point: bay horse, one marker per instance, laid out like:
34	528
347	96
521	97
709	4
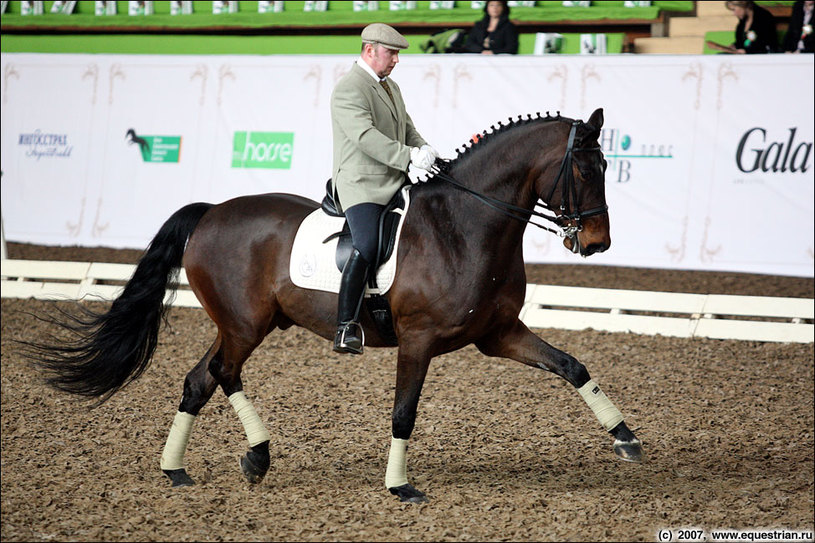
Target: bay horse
460	281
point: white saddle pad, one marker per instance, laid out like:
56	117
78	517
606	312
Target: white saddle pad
312	263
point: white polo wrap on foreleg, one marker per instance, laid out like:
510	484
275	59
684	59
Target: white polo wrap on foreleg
396	474
173	455
608	415
255	431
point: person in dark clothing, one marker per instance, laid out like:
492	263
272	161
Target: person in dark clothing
799	37
755	32
494	34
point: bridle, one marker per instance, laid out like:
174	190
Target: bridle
569	221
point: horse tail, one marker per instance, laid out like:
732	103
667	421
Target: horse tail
112	349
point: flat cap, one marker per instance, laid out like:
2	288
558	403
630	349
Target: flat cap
384	35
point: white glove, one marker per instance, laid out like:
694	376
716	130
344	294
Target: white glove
432	151
422	158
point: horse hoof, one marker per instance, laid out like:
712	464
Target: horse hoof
630	451
179	477
253	473
407	493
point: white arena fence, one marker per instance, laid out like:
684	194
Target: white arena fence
719	316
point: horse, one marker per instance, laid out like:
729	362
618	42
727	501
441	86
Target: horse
460	281
132	138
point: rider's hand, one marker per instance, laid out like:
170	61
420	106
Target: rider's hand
432	151
422	158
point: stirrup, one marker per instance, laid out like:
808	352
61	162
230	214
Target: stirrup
347	340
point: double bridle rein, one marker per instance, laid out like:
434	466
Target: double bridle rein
568	221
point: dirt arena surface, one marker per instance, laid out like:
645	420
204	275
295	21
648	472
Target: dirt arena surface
504	452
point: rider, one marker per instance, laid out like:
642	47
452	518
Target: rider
374	142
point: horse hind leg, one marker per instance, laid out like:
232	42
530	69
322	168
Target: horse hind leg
226	370
199	386
522	345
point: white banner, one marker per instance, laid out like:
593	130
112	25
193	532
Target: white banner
710	157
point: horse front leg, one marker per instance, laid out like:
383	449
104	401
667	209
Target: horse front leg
520	344
411	371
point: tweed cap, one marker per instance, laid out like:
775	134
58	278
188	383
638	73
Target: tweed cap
384	35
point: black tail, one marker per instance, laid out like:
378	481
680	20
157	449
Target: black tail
109	350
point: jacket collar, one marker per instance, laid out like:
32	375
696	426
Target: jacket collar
373	81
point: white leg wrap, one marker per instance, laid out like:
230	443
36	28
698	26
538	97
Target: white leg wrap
396	474
173	455
608	415
255	431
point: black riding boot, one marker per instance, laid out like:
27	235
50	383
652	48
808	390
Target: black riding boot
350	338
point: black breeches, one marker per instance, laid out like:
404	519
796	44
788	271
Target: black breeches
363	220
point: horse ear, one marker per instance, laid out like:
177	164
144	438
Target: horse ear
596	119
593	126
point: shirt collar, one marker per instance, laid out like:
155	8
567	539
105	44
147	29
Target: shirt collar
364	65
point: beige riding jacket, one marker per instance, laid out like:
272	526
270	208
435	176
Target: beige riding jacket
372	139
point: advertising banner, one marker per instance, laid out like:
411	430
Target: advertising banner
710	159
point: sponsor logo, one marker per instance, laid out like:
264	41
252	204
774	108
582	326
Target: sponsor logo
622	152
156	148
755	153
41	144
272	150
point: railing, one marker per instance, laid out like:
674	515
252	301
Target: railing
719	316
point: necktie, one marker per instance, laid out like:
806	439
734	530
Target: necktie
387	88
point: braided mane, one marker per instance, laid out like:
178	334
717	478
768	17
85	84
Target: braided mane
487	136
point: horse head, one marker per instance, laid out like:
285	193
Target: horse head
577	195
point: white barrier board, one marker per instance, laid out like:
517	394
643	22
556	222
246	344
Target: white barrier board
710	157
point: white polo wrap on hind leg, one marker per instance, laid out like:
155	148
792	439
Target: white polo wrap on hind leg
396	474
173	455
255	431
605	411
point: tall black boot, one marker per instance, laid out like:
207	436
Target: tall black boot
350	337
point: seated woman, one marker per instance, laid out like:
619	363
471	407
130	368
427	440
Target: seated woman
755	32
494	34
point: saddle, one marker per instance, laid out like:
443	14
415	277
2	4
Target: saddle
378	306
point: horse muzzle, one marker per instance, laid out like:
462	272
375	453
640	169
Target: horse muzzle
588	238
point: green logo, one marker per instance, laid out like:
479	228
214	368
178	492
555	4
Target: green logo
156	148
262	150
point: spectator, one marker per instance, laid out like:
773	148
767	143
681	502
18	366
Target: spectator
494	34
799	37
755	32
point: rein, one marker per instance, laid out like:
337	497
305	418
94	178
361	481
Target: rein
568	193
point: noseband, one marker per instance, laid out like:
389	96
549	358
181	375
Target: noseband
568	223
